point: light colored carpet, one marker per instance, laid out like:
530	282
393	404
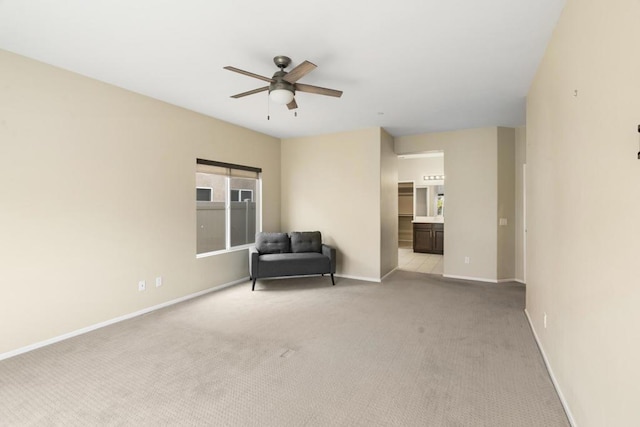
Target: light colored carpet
416	350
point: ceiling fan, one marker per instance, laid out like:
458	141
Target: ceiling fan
283	85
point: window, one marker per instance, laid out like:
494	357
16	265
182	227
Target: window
440	205
241	195
227	206
204	194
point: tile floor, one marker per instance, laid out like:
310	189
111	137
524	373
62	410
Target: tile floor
422	263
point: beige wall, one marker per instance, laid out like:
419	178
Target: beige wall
582	261
331	183
521	160
388	205
471	165
119	205
506	203
416	169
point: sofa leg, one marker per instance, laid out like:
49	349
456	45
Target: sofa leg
253	286
332	281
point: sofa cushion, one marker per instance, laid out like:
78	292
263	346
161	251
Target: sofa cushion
306	241
272	243
274	265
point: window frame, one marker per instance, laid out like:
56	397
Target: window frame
256	198
240	191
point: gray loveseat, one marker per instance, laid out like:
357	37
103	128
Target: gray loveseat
295	254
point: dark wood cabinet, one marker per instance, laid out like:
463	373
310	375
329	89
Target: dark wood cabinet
438	239
422	238
428	237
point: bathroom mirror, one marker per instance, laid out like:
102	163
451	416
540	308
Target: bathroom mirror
430	200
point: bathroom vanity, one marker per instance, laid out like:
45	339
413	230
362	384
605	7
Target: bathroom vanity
428	235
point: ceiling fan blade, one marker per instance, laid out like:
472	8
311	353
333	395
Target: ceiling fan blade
299	72
292	105
247	73
318	90
250	92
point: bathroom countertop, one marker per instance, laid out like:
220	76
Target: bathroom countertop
428	219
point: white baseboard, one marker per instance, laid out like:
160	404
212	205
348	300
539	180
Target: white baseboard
115	320
520	281
563	401
475	279
364	279
480	279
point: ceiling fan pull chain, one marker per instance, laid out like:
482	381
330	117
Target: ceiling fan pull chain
268	111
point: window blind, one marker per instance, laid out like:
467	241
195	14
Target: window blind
227	169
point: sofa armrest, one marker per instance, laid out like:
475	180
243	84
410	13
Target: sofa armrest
330	251
253	261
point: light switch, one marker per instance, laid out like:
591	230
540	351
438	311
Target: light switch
503	221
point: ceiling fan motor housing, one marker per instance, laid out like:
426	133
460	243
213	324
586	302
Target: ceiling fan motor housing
279	83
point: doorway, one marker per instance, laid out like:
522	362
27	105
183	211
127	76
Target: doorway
405	214
421	212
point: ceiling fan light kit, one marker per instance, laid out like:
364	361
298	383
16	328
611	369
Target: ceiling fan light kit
282	86
281	96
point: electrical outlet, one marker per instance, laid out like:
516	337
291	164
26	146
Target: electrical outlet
467	260
544	320
158	281
142	285
503	221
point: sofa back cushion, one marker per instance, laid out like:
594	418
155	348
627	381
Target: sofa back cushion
272	243
306	241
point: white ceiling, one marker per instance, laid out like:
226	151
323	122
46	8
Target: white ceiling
410	66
